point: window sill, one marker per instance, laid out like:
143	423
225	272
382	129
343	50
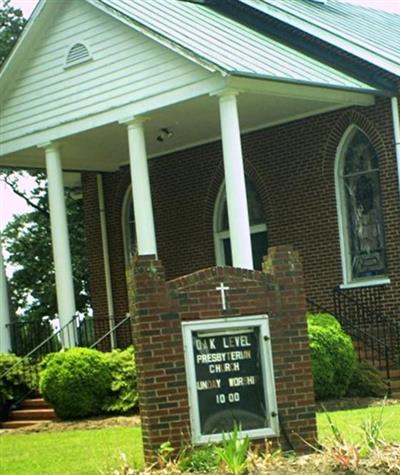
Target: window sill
366	283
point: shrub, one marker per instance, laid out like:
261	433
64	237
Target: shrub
366	382
199	460
13	386
123	395
332	355
76	382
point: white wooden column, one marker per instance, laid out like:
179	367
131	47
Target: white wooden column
142	205
59	235
5	340
236	198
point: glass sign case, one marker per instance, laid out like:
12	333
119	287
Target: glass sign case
230	378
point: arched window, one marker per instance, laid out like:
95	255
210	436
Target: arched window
128	226
360	209
258	227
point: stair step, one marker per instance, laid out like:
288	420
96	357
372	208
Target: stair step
395	383
19	424
36	403
32	414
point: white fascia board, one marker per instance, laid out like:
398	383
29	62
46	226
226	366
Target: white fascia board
118	114
301	91
160	39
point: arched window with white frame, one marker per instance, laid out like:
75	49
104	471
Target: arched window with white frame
258	227
128	227
360	211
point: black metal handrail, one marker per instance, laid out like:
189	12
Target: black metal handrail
352	311
77	332
373	350
65	337
112	331
27	335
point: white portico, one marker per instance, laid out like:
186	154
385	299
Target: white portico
93	95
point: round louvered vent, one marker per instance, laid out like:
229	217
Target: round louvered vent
77	54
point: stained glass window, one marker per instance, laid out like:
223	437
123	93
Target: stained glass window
258	228
361	205
129	227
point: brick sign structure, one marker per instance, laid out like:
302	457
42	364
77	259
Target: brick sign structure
255	319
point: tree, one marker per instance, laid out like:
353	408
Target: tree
27	241
12	23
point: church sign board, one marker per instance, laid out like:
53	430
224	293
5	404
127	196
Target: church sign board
230	377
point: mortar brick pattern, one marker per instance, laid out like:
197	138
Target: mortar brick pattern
292	168
159	307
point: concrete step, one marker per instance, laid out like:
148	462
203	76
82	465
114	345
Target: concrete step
31	415
19	424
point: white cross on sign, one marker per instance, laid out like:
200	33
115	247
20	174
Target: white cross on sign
222	288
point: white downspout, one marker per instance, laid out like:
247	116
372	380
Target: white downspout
5	340
396	128
106	259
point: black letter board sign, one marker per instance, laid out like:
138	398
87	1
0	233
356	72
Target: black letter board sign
230	378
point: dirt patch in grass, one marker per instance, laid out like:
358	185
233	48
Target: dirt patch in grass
100	422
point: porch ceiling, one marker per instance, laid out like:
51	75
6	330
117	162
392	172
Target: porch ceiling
192	122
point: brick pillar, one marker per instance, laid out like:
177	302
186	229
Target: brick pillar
158	309
159	358
291	353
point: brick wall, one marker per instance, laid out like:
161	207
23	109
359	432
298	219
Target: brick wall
159	308
292	168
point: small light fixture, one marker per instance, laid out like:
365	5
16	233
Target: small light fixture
164	134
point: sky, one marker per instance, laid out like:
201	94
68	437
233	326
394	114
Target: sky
10	204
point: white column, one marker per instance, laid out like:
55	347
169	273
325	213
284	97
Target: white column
143	209
5	340
59	235
235	182
396	128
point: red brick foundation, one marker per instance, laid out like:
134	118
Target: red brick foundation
159	308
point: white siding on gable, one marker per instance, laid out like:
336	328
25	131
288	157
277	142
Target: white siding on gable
125	67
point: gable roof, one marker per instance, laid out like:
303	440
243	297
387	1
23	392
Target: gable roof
213	41
226	44
366	33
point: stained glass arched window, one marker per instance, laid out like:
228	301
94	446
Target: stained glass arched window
360	209
128	227
258	227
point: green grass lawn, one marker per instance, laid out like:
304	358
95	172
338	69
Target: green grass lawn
349	423
69	453
96	452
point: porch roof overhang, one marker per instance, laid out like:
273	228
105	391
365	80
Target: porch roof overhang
277	84
99	143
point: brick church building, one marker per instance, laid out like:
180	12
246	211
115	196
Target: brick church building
205	132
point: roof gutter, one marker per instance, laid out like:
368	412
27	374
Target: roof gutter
265	77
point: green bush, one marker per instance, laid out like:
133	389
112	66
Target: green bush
123	396
332	355
76	382
199	460
13	386
366	382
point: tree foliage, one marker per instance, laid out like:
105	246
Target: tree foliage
12	23
27	241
